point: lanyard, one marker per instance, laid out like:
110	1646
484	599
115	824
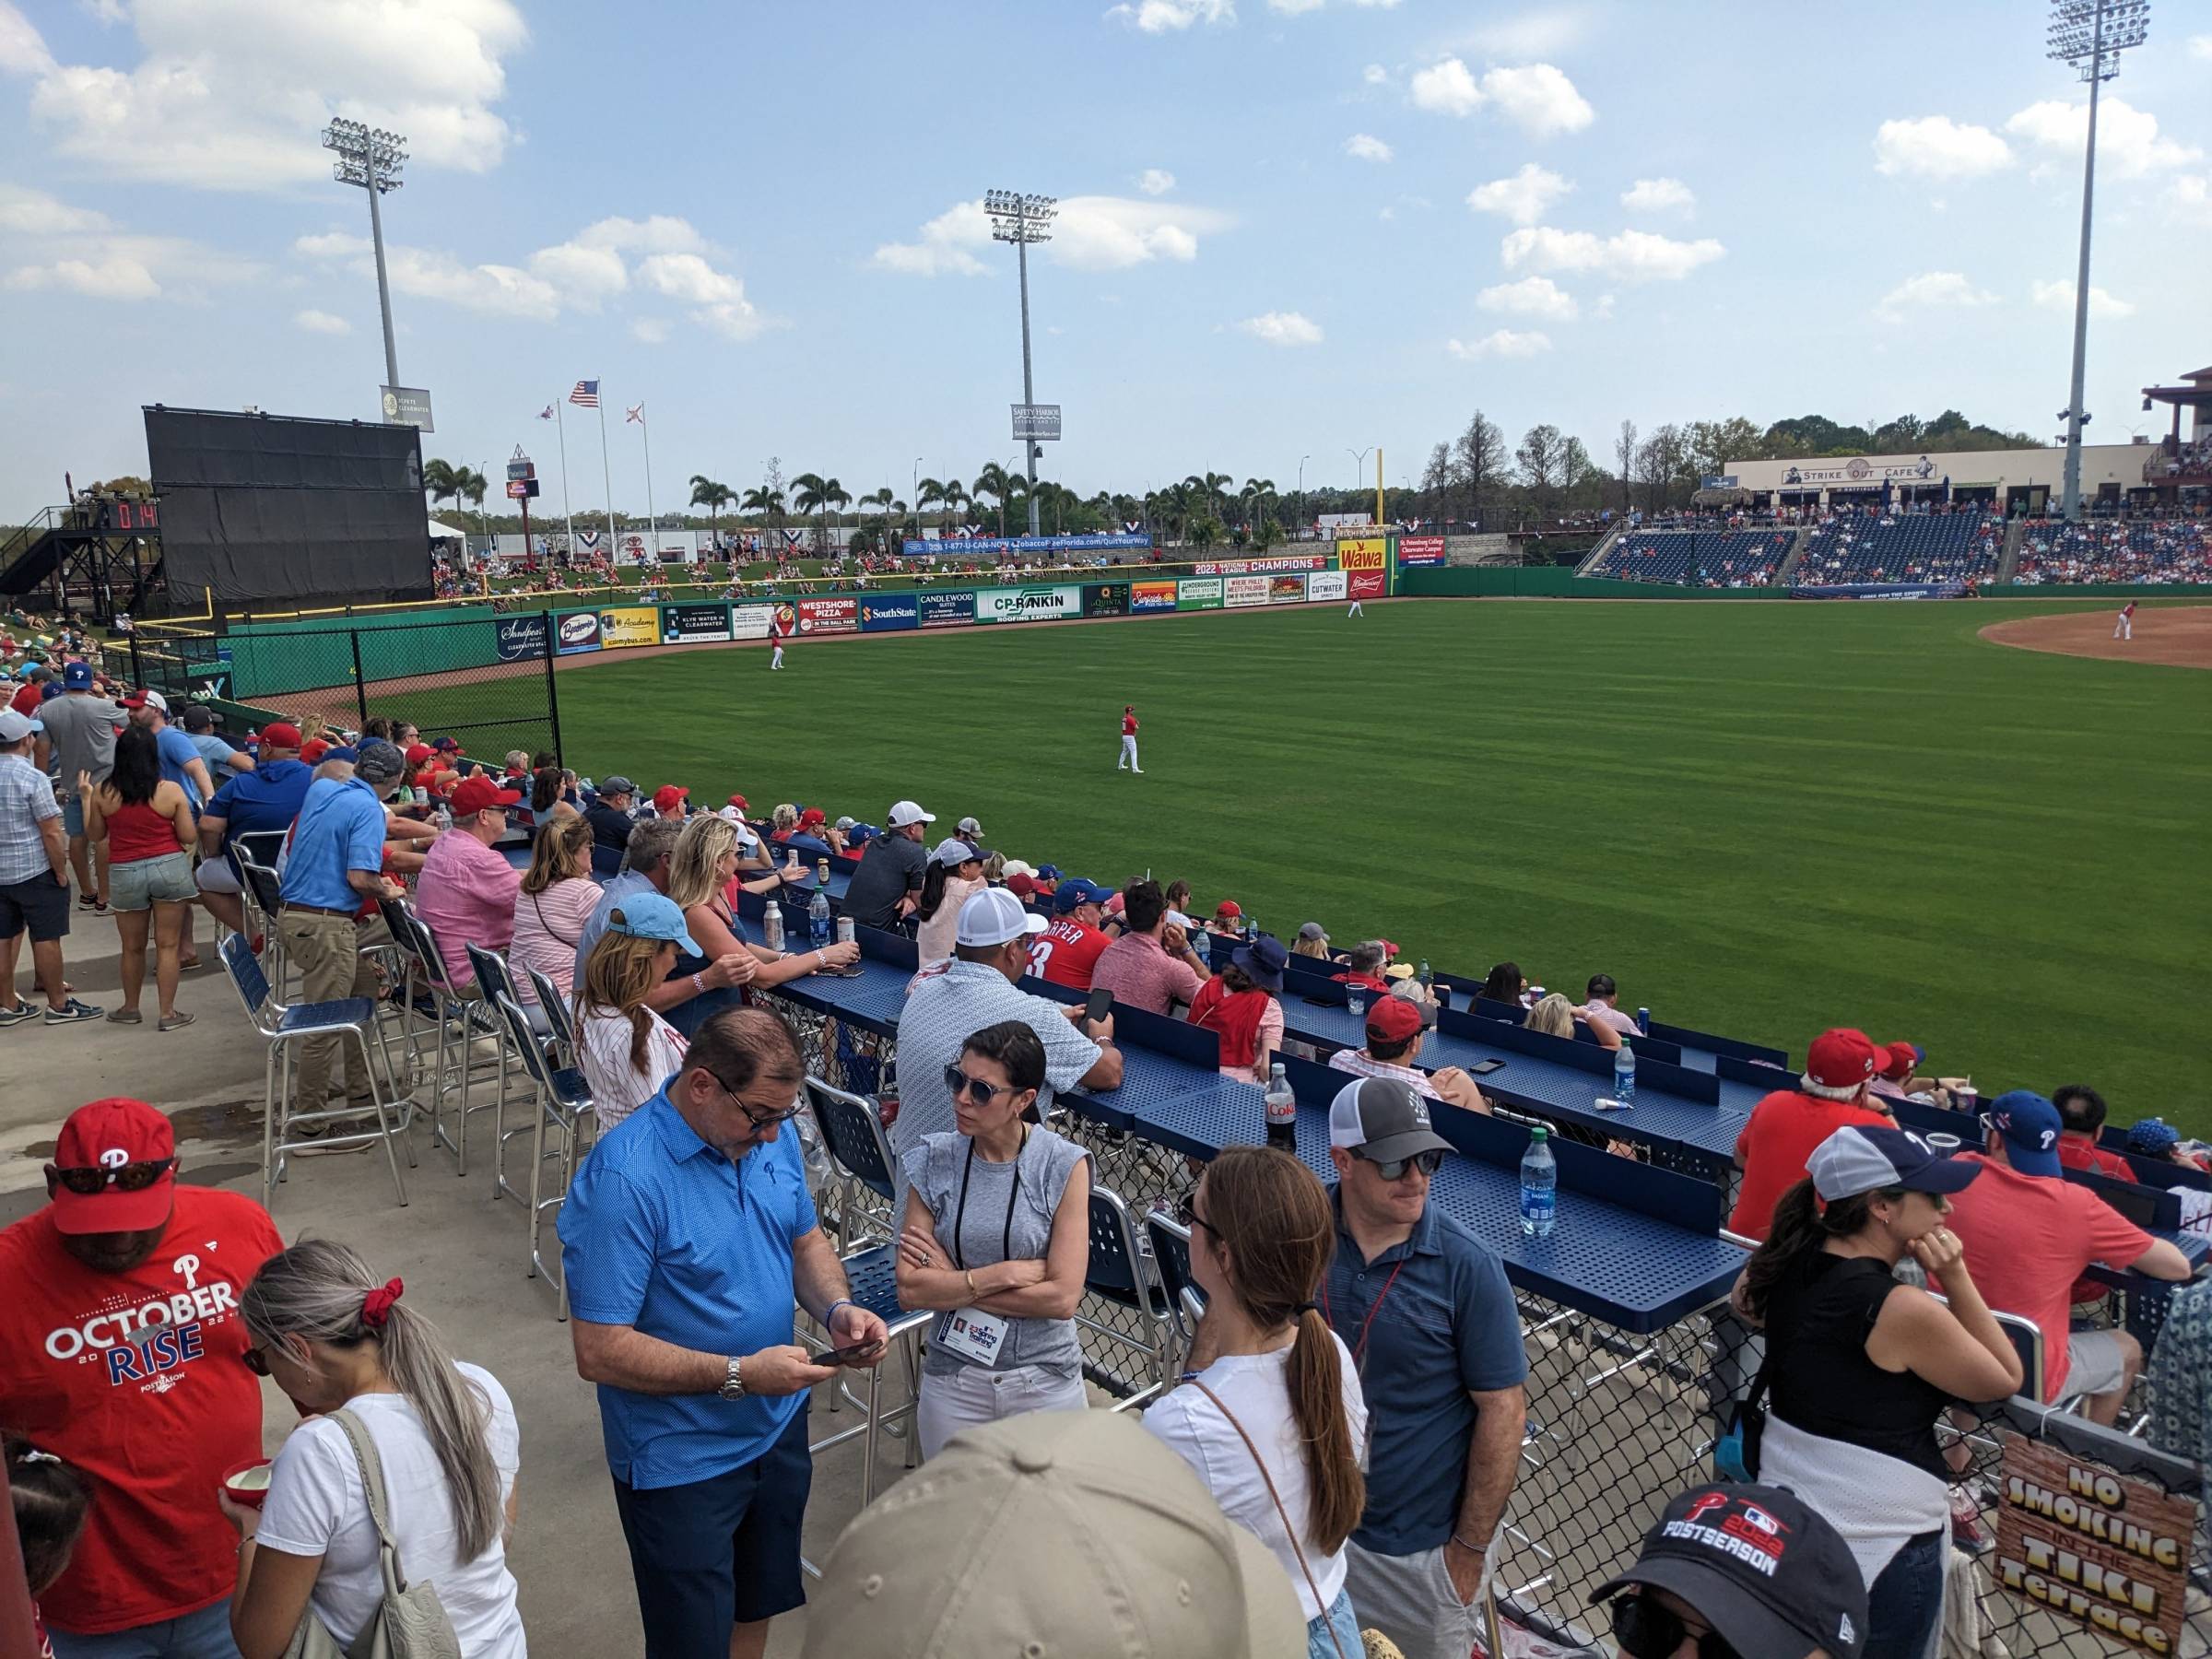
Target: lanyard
959	1220
1360	1346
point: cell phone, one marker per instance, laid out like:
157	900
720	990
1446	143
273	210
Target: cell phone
851	1356
1098	1006
1483	1069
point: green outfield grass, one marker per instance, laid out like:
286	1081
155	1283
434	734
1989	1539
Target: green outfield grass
1762	820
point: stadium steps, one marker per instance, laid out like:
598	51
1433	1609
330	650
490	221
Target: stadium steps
27	558
1597	554
1787	570
2009	560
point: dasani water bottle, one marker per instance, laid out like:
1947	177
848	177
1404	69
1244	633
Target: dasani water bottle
1539	1184
1624	1073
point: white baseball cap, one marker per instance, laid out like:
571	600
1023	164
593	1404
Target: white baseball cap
968	826
906	812
952	851
993	917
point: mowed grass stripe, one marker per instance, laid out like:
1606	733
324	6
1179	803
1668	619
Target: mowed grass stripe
1761	818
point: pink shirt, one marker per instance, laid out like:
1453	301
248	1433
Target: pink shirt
1625	1023
1360	1063
1137	968
467	893
547	927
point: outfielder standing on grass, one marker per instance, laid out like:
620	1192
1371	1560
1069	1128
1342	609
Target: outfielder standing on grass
1128	760
2125	627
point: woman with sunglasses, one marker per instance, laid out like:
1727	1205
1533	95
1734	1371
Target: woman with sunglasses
1270	1415
996	1236
333	1336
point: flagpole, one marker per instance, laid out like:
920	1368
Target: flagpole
560	425
652	529
607	473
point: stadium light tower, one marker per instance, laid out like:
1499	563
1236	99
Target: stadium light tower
1023	219
2089	34
370	157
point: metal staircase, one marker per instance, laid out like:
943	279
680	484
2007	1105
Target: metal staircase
94	558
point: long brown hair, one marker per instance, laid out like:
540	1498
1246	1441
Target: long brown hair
1273	1217
616	977
559	840
1802	1226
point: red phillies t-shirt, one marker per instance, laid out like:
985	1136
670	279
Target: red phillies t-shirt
1776	1141
137	1379
1128	725
2082	1152
1065	953
28	697
2027	1240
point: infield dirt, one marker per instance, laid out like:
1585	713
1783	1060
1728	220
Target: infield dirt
2172	637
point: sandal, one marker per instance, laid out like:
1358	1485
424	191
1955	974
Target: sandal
126	1017
190	965
172	1022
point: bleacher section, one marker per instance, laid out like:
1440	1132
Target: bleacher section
1891	547
1714	559
2161	551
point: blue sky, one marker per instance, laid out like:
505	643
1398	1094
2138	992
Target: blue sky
1289	228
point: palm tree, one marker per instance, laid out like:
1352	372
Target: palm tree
997	482
1205	531
835	497
765	501
437	478
956	501
471	486
1211	488
808	494
713	497
932	492
1256	494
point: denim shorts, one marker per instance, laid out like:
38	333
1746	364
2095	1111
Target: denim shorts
145	882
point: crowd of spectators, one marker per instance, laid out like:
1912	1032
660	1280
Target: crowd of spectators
2156	551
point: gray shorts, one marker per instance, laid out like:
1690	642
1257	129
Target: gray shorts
145	882
2094	1362
1410	1600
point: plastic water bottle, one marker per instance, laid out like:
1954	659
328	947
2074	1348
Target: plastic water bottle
1624	1073
1539	1184
1282	1110
1425	977
444	816
818	914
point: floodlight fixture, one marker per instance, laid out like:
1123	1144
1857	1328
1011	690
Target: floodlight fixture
370	159
1021	219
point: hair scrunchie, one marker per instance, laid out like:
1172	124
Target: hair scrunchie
376	1307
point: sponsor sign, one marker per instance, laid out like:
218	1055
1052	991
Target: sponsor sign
521	489
881	615
947	610
408	405
1858	470
1285	590
829	616
752	621
1037	421
629	624
1106	599
1367	584
2110	1553
1717	481
956	546
1883	590
1202	592
1262	567
1326	584
1245	590
1152	596
1027	603
521	638
692	624
577	630
1415	551
1363	553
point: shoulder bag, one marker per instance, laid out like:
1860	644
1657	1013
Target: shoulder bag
1289	1528
1736	1454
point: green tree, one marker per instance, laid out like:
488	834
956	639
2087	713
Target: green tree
1256	495
1205	531
437	478
713	497
1478	455
1000	484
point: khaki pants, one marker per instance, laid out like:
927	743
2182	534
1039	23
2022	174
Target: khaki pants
327	952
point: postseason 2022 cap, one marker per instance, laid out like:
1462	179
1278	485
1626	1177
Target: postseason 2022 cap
1384	1119
109	1134
1073	1534
993	917
1772	1577
2030	1126
904	813
1859	1157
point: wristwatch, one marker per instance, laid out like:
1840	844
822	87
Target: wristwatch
733	1384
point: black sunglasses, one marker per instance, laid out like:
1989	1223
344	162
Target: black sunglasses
124	1178
1394	1168
254	1361
1186	1212
1647	1629
960	1083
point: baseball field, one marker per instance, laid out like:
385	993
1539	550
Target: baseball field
1762	820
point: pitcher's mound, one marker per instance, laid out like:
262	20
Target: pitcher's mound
2179	637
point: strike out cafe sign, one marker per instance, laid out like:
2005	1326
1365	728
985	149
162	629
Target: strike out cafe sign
1858	470
2078	1541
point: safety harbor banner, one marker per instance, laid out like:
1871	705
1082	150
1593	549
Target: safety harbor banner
579	632
1201	593
882	616
1027	603
947	610
695	624
1326	584
752	621
1246	590
1152	596
629	624
829	616
1363	553
1415	551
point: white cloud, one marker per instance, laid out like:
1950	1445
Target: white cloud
1536	34
2059	296
1366	146
2200	48
1375	4
1936	147
232	94
1156	181
27	212
2188	198
1504	342
1291	8
79	250
116	276
496	290
1628	257
1282	328
1375	75
943	248
1540	100
1658	196
650	331
2128	145
1530	297
321	322
331	244
1446	88
718	296
1105	233
1932	290
1524	198
1172	16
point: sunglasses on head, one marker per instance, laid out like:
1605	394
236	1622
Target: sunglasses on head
960	1083
1647	1629
1394	1168
125	1178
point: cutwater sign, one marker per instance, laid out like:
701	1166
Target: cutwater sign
880	616
521	638
1027	603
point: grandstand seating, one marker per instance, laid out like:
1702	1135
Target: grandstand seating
1886	546
2157	550
1711	559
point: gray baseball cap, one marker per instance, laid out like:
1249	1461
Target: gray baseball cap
616	785
381	764
1384	1119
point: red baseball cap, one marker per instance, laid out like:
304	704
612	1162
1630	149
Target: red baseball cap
110	1135
1229	907
314	750
1393	1018
813	815
418	752
668	796
283	734
1898	1059
476	791
741	803
1843	1058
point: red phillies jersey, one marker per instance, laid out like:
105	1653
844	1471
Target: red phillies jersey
138	1379
1128	725
1067	952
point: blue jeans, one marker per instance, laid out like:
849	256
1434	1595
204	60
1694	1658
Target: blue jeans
1905	1603
1336	1633
202	1635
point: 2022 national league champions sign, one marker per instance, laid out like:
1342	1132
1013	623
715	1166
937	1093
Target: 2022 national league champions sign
2085	1543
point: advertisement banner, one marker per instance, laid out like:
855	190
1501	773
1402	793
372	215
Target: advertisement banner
1363	553
1285	590
1245	590
990	546
1326	584
1106	599
521	638
629	624
695	624
1367	584
1027	603
1413	551
1262	567
1204	594
787	622
578	631
881	615
1152	596
1883	590
947	610
829	616
752	621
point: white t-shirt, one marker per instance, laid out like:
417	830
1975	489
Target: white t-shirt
618	1087
317	1507
1255	1387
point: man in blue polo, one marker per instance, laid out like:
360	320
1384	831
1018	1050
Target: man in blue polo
1429	1319
267	798
685	1239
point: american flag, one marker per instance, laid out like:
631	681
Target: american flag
546	413
586	394
636	413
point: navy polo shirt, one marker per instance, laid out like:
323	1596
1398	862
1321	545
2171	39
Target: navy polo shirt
664	1234
270	798
1445	1326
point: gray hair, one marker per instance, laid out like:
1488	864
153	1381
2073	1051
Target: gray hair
315	1290
1369	956
649	842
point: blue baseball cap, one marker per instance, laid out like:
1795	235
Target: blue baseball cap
2152	1137
652	916
77	676
1074	890
1263	960
1048	872
2030	1126
351	755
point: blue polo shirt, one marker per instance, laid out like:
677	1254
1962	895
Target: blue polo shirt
664	1234
270	798
177	751
341	829
1429	1321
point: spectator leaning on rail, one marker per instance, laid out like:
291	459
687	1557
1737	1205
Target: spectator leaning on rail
1151	967
1068	952
267	798
1395	1028
1239	1004
1786	1126
1554	1015
687	1236
887	884
1433	1332
700	875
2030	1232
1860	1366
466	891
